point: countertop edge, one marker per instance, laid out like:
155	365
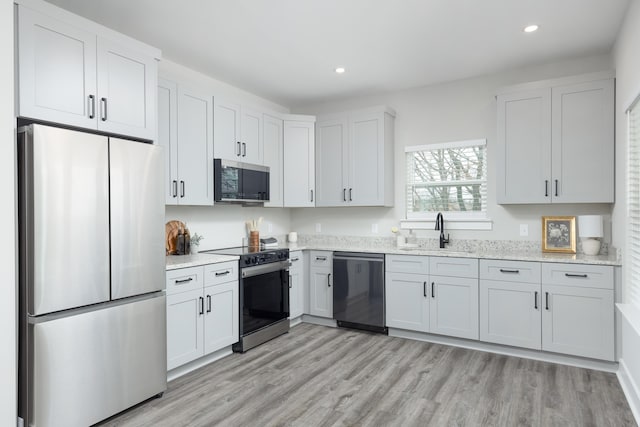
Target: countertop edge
175	262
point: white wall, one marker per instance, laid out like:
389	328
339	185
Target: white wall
453	111
8	304
223	225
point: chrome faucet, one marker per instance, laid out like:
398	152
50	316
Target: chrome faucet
440	226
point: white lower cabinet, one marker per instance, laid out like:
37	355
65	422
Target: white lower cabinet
202	311
320	284
296	284
453	306
562	308
407	304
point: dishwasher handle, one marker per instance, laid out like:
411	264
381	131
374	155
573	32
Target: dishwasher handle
358	256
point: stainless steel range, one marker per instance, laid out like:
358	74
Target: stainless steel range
264	294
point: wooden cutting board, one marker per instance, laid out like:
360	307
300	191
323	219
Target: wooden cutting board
171	230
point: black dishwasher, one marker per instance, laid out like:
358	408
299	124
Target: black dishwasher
358	291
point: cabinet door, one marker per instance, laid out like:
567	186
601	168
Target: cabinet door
273	157
406	301
227	130
331	163
583	145
453	306
578	321
366	160
296	295
321	293
523	155
299	164
510	313
57	71
185	320
168	137
195	147
221	320
127	82
251	123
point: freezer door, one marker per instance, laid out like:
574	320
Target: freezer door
137	218
89	366
64	225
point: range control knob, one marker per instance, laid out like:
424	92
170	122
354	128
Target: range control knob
247	261
254	260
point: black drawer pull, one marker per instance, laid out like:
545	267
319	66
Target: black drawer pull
184	281
583	276
321	258
504	270
295	259
224	273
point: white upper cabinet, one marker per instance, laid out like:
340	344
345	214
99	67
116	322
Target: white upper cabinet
238	132
74	72
299	163
272	128
354	158
168	136
556	143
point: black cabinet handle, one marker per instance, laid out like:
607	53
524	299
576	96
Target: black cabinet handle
351	194
433	291
535	301
546	299
311	195
329	280
224	273
181	188
208	303
244	149
556	188
239	148
344	194
320	258
184	280
582	276
175	188
92	106
424	289
504	270
201	305
103	108
294	259
546	188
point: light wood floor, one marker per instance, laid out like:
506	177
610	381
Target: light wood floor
320	376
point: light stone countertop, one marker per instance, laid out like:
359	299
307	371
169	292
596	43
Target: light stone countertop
536	256
174	262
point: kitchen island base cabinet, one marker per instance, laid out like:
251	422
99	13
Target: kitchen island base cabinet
321	285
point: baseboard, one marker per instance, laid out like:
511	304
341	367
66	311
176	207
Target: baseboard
198	363
599	365
322	321
630	389
295	321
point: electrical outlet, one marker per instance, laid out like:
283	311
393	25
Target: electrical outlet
374	228
318	227
524	229
269	227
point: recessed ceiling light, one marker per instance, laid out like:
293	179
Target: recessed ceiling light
530	28
340	70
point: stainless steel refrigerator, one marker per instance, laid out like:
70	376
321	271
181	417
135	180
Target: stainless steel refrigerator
92	301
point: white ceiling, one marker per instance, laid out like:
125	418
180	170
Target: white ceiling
287	50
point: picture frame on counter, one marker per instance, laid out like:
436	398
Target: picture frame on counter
559	234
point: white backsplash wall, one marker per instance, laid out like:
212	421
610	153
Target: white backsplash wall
455	111
224	225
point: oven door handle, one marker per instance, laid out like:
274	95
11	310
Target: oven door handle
265	268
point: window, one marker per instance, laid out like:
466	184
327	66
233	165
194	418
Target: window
633	205
449	177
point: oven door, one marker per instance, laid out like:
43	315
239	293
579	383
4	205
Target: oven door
265	296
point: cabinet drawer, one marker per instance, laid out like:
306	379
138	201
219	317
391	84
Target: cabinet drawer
184	279
297	261
407	264
455	267
321	258
586	276
220	273
510	271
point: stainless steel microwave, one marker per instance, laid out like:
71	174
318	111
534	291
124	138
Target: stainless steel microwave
236	182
